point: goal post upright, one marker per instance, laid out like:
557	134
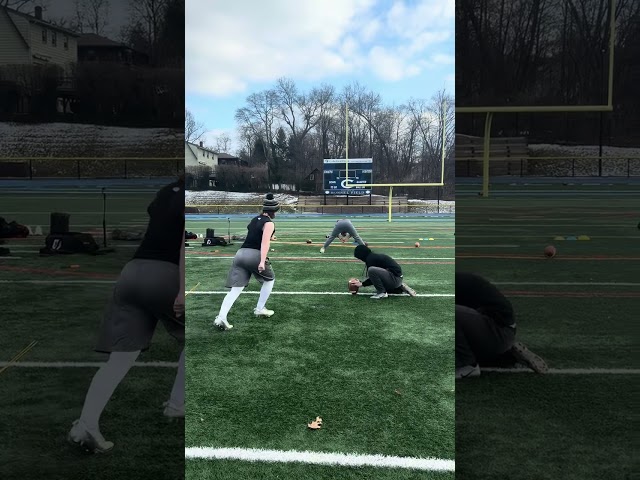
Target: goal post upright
391	185
490	110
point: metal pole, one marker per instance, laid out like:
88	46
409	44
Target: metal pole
104	217
390	200
485	155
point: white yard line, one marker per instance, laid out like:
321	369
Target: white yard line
574	284
319	458
322	257
569	371
60	282
458	245
83	364
217	292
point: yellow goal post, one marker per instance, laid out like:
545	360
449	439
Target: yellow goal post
491	110
391	185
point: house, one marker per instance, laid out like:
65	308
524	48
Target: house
95	48
313	181
199	155
226	159
30	40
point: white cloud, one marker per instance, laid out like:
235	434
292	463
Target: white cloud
231	44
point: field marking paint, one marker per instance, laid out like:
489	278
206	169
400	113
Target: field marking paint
61	282
218	292
305	259
84	364
486	246
569	371
574	284
319	458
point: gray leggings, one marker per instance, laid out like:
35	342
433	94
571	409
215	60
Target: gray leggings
383	280
344	226
479	338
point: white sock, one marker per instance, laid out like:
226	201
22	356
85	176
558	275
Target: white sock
229	300
265	291
104	383
177	392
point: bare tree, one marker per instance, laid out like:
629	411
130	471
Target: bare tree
149	13
193	130
222	143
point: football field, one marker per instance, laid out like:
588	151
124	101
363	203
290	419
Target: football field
577	310
380	374
60	307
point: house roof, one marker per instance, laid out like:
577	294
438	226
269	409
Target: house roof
93	40
222	156
193	145
33	19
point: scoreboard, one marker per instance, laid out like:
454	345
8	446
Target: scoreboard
335	176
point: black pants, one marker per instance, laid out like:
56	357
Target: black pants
383	280
479	338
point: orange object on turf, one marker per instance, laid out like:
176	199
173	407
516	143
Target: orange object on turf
550	251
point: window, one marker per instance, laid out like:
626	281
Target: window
54	39
44	35
312	177
66	42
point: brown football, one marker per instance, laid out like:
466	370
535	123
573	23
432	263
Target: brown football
353	286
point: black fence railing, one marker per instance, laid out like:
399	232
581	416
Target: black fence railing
89	167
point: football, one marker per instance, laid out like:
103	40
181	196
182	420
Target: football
550	251
353	286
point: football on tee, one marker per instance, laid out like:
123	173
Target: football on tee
353	286
550	251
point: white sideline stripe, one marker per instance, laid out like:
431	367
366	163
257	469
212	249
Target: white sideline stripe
570	371
10	257
574	284
486	246
211	257
325	293
319	458
83	364
60	282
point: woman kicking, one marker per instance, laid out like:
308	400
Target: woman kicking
251	259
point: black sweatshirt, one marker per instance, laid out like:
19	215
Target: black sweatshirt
476	292
381	260
163	238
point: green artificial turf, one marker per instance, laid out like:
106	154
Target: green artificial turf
576	310
379	373
39	404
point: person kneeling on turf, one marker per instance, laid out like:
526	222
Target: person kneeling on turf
343	230
486	329
383	272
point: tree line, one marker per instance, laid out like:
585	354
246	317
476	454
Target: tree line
549	52
289	132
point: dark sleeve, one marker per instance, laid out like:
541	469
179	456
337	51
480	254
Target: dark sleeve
391	265
366	282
